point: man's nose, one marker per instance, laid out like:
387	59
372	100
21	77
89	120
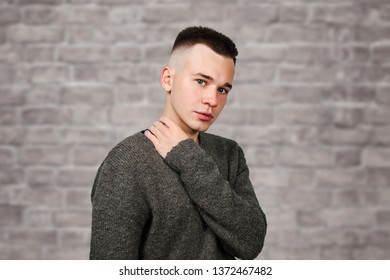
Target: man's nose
210	97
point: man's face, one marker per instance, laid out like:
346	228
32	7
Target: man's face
199	88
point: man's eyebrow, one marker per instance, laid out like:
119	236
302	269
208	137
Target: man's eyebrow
207	77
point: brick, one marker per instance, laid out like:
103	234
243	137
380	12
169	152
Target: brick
380	137
86	95
76	177
354	94
383	218
377	115
125	94
45	2
41	177
36	34
44	155
303	115
50	74
247	116
43	197
147	73
10	176
371	253
39	116
83	54
31	252
86	136
42	136
377	157
259	136
118	74
348	157
301	179
7	75
260	156
336	253
377	197
382	95
268	178
309	219
88	156
293	13
154	94
134	115
166	14
76	252
304	94
347	199
9	15
305	54
32	237
124	16
300	136
307	200
261	53
38	218
310	75
347	117
249	94
281	220
8	116
78	199
82	15
378	238
378	177
72	218
350	218
294	253
381	53
344	136
11	135
343	14
10	54
72	237
39	54
285	33
86	73
7	156
250	72
40	15
342	179
83	115
126	53
43	94
253	13
11	215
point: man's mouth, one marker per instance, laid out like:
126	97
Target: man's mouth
204	116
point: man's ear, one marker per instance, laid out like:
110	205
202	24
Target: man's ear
166	78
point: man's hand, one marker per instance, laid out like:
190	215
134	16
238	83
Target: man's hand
165	134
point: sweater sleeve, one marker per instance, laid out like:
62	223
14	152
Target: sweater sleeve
230	209
119	213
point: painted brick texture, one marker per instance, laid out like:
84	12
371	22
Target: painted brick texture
310	107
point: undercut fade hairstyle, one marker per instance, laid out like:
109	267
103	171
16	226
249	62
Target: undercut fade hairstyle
215	40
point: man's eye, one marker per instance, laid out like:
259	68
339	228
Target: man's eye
222	90
201	82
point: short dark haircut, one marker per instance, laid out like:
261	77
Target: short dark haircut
215	40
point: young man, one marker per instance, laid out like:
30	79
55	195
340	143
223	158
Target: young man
173	191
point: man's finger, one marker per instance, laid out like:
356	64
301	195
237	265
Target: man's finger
168	122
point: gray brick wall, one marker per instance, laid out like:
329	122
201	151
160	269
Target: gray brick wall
310	107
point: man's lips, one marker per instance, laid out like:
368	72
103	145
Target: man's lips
204	116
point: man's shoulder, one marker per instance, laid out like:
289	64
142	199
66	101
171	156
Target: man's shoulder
219	142
129	149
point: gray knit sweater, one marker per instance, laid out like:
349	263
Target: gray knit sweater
197	203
